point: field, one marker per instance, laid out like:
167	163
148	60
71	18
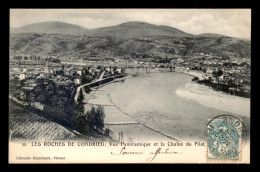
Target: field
29	126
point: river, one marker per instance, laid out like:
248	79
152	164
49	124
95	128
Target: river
151	100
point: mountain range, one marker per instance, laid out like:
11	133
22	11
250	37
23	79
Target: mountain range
129	29
138	39
50	27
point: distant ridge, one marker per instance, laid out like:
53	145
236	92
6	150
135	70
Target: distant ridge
51	27
132	39
132	29
135	29
213	35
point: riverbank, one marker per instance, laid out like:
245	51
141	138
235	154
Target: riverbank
119	121
151	100
216	99
101	83
193	73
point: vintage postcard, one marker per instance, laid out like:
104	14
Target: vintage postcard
129	86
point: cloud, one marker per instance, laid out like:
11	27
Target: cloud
236	26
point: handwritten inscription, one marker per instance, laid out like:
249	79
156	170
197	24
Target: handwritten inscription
154	154
161	151
123	152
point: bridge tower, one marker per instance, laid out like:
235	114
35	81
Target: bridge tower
121	137
148	68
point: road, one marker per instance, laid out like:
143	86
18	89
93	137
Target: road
115	80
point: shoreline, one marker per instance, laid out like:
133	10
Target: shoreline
215	99
119	121
113	115
202	94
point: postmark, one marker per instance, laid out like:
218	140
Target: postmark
226	136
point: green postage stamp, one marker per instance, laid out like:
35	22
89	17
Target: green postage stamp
224	138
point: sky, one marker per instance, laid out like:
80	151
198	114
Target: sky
230	22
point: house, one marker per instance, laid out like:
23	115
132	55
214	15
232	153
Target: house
214	80
108	69
92	70
209	71
52	71
179	60
42	75
221	78
22	76
79	72
28	75
67	70
37	105
118	70
46	70
77	81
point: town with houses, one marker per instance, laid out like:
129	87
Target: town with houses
233	73
26	70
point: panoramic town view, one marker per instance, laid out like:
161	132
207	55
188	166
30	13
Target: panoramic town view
132	81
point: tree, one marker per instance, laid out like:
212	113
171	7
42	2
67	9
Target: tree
50	89
83	119
80	106
41	98
217	73
99	118
30	96
220	72
84	77
83	124
22	83
39	81
195	79
106	132
87	89
95	117
92	119
54	100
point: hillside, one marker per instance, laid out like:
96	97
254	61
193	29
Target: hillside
124	30
51	27
137	30
128	40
